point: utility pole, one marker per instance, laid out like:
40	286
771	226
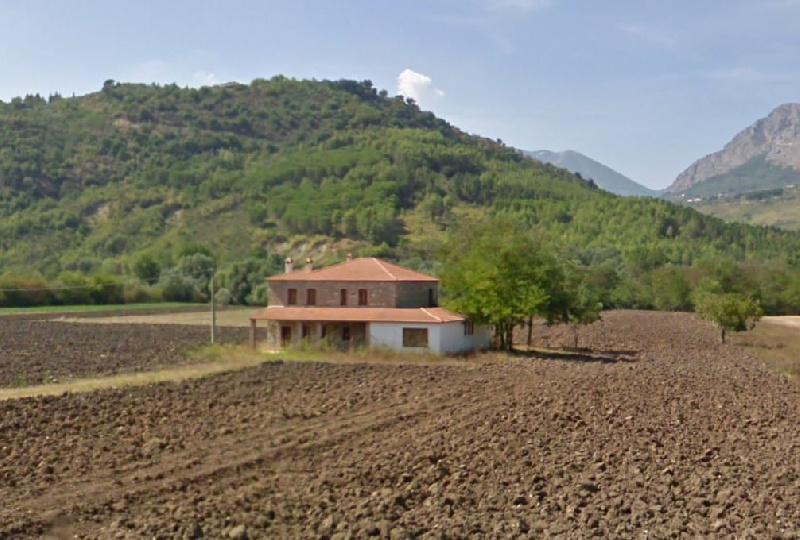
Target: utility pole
213	307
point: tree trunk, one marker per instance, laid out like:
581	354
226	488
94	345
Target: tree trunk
530	332
723	334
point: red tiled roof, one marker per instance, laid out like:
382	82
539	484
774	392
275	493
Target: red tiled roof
319	314
361	269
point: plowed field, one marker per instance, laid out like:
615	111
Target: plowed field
41	351
663	433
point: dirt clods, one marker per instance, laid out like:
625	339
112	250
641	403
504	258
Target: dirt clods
657	432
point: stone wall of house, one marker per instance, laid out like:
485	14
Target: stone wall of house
416	294
328	293
334	336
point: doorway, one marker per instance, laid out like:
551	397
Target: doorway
286	336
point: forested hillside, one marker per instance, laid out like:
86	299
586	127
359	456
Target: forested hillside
138	176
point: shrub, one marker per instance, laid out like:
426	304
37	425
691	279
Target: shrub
259	296
175	287
223	297
73	289
26	292
140	294
106	290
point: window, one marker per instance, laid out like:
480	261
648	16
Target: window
415	337
469	328
432	298
306	331
362	297
291	298
311	297
343	297
324	333
346	333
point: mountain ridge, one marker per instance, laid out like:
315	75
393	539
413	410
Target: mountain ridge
775	138
604	176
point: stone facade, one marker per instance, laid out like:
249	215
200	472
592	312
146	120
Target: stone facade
384	294
373	285
334	334
417	294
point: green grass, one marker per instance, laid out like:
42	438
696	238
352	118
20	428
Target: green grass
92	308
783	212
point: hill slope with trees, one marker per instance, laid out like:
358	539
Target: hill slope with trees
136	180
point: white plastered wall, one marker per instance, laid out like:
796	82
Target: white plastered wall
442	338
453	340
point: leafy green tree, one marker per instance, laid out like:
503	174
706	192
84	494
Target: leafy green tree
671	290
581	306
222	297
259	296
729	311
197	268
244	277
177	287
493	275
147	269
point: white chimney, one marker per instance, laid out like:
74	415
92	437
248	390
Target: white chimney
309	265
288	265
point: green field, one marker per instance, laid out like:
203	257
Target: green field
93	308
781	211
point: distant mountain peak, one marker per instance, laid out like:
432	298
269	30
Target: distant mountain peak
775	138
604	176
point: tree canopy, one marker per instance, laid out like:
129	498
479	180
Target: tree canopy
729	311
93	184
498	273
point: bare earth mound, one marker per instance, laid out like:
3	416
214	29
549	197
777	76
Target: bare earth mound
692	439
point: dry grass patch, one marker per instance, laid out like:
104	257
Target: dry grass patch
776	341
232	317
373	355
215	360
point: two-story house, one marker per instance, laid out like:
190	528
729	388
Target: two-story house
364	302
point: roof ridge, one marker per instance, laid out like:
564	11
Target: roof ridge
383	267
431	314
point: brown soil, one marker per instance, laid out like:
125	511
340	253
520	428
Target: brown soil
34	351
665	433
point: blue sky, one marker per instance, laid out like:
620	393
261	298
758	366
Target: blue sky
644	86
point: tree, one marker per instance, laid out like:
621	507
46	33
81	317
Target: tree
729	311
147	269
198	268
494	275
581	306
176	287
246	276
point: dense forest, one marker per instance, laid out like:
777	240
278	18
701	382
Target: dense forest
156	183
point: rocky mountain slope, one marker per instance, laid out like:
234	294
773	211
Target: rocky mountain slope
605	177
762	156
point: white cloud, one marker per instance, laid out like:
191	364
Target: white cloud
417	86
205	78
519	5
